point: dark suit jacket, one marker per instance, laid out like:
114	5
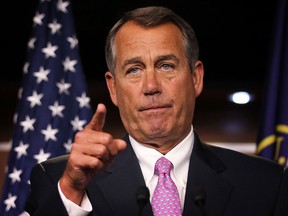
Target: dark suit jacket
235	185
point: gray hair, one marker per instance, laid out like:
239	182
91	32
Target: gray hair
149	17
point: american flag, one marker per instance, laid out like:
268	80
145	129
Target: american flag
52	101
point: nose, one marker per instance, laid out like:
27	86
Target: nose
152	83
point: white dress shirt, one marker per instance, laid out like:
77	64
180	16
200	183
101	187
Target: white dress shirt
147	157
179	157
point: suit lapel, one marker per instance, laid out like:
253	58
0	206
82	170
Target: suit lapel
204	171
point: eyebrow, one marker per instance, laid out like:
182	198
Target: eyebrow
160	58
131	61
167	57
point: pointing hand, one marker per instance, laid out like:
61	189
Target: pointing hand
91	152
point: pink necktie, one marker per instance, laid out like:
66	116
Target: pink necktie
165	200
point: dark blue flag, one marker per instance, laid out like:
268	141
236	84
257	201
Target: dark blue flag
272	142
52	101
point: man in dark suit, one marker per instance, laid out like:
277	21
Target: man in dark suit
154	79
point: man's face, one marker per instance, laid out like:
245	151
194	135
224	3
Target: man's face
154	87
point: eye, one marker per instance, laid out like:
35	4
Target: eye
133	70
167	67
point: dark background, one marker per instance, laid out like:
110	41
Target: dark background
233	35
235	41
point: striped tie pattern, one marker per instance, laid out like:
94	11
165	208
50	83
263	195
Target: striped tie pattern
165	200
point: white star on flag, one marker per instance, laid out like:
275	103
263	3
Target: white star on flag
49	50
57	109
42	74
35	99
67	145
31	43
73	41
10	202
77	123
83	100
27	124
15	175
63	87
50	133
42	156
54	26
25	67
38	18
69	64
62	6
21	149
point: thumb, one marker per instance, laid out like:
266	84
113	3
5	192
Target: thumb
98	120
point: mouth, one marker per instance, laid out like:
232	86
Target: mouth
154	107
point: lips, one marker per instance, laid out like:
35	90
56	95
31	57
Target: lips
154	107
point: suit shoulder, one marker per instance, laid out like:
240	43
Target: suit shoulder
55	163
53	168
248	161
57	160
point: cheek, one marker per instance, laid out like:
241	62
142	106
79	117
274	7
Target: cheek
183	94
125	98
180	89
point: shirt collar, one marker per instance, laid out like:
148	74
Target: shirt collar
179	156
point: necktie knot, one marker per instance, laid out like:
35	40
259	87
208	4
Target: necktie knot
163	166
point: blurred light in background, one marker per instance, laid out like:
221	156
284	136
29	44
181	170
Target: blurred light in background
241	97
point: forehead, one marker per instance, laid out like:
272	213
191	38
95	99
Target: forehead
136	38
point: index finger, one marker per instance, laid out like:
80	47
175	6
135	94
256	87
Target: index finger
98	120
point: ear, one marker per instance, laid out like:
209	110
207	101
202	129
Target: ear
111	84
198	76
